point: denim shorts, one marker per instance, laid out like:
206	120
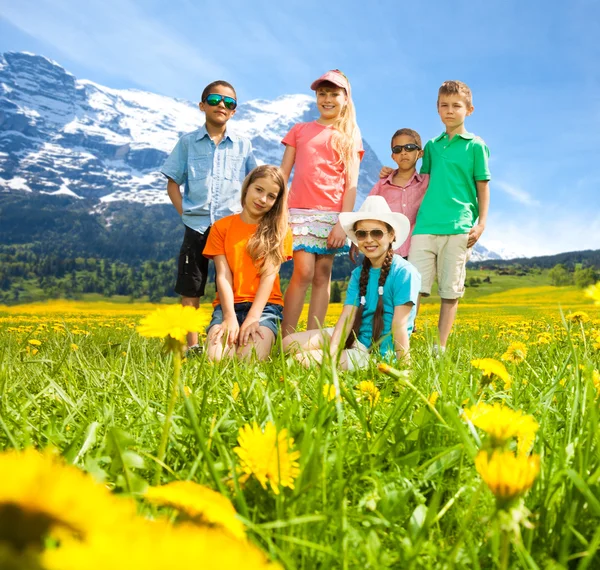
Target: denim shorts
271	316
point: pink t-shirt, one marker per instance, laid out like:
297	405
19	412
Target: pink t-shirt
319	178
403	200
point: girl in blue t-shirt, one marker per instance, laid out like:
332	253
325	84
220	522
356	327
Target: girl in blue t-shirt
381	299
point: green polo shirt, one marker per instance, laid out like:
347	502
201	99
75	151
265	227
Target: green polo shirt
450	203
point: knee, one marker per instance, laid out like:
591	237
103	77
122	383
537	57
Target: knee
322	277
303	275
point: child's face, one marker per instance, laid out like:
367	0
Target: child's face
453	110
406	160
375	247
220	114
261	197
331	102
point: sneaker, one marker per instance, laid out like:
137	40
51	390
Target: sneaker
437	351
195	350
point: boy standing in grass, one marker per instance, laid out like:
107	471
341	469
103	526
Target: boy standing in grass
212	163
454	211
458	195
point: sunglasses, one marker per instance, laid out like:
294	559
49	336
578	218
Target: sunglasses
375	234
214	99
407	147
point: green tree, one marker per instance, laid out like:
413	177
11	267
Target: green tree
336	293
585	276
559	276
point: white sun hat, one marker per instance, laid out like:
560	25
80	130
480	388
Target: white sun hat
376	208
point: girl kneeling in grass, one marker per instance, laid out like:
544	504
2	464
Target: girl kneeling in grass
248	250
380	305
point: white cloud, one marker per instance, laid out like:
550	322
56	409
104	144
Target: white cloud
117	37
548	233
516	193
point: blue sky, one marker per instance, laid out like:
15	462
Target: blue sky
532	66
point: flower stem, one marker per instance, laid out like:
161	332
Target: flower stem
504	550
164	438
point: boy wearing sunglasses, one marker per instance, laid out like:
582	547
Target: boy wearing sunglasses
403	188
211	163
454	211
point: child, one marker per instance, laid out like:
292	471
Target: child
248	250
404	188
212	162
380	301
458	194
325	155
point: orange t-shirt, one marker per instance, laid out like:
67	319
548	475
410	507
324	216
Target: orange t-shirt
229	237
319	179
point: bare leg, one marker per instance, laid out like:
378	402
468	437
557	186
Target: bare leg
262	346
304	267
219	350
447	316
319	298
192	337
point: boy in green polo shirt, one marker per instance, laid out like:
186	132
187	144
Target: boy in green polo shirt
458	196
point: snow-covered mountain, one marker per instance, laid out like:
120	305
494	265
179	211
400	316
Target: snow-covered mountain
68	137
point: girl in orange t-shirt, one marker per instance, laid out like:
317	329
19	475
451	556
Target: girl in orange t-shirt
248	250
325	155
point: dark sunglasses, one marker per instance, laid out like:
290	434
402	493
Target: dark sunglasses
375	234
407	147
214	99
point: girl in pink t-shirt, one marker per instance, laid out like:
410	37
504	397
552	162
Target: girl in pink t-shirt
325	155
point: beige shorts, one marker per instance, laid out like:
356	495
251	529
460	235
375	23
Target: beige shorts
357	355
444	257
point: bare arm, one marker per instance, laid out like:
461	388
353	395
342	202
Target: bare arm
287	162
483	200
337	236
175	195
342	327
224	281
400	331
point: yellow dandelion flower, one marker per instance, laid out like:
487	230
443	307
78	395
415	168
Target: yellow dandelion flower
500	422
329	392
369	391
74	346
596	342
187	391
507	475
38	494
578	317
593	292
596	380
199	503
490	368
34	342
173	321
235	391
267	455
516	352
433	398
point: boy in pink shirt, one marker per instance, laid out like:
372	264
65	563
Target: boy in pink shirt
404	188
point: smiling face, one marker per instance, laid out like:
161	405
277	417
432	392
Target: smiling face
374	248
331	101
453	109
219	115
260	197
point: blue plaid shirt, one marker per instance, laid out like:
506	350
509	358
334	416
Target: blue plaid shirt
212	175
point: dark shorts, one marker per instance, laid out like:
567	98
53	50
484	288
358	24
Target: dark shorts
271	316
192	268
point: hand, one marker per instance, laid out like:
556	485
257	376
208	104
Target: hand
250	330
229	329
353	253
475	234
337	237
385	171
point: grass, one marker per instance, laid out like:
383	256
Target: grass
382	484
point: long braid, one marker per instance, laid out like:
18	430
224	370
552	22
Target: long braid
362	293
378	316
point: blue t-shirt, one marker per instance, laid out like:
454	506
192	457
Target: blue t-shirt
402	286
212	175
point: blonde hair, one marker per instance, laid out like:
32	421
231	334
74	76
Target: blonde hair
266	246
345	129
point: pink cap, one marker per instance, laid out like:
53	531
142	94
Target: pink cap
334	76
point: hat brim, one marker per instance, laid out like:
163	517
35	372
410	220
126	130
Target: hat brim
399	223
